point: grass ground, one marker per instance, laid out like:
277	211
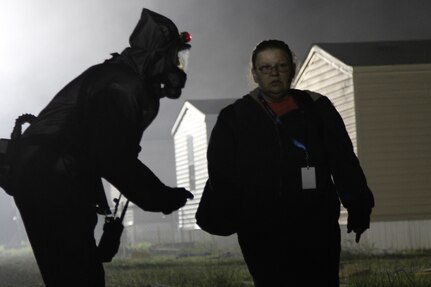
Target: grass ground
408	269
169	266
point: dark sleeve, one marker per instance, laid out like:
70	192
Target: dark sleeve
348	176
114	137
219	208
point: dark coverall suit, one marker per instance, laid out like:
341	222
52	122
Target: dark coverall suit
92	129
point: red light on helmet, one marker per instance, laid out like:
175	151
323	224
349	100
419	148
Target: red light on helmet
186	37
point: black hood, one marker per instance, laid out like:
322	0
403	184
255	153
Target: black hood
153	38
154	33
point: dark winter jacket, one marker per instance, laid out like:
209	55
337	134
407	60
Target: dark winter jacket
255	169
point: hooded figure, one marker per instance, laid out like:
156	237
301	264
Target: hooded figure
92	129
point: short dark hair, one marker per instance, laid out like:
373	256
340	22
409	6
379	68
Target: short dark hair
275	44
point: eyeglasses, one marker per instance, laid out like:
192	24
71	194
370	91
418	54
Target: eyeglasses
281	68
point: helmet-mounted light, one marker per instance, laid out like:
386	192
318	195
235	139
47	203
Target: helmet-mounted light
185	40
186	37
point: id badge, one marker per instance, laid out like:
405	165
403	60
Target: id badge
308	175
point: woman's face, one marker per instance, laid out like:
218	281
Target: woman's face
272	73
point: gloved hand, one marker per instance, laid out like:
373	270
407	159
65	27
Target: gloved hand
176	197
358	221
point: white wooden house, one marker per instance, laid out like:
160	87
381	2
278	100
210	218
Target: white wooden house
191	133
383	92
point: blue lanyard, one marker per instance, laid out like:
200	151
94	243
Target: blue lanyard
269	110
278	121
298	144
301	146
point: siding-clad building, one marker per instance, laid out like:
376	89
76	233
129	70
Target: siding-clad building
191	133
383	92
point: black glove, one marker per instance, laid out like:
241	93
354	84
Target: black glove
176	197
358	221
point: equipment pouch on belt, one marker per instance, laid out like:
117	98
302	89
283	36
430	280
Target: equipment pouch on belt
8	147
111	238
4	163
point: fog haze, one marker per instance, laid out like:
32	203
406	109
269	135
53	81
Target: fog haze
44	44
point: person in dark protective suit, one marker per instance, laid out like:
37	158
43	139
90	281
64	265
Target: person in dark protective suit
91	130
279	162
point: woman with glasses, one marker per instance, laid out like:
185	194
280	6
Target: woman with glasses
279	162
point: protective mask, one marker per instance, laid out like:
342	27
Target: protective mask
183	59
173	82
174	77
